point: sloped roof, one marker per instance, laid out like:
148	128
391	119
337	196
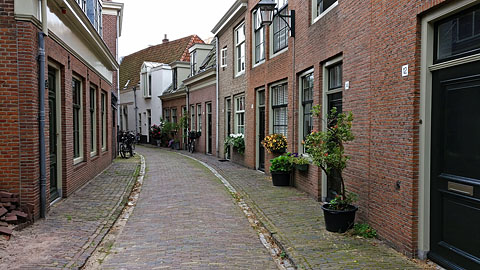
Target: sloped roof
211	59
176	50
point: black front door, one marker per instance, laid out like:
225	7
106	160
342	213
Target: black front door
52	118
455	167
209	128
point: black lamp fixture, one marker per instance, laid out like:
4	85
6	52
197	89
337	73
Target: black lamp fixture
268	8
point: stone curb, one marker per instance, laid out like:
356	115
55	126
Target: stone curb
274	247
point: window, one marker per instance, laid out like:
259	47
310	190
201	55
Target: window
174	115
223	57
306	94
240	114
322	6
104	120
240	49
192	117
167	115
93	121
140	123
149	85
458	35
199	117
334	89
77	120
174	78
228	115
259	38
193	63
280	31
149	119
147	91
279	108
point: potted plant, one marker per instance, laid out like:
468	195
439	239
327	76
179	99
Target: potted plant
156	133
275	143
299	161
237	141
280	170
326	149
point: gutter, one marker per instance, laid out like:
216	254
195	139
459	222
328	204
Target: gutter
217	98
41	128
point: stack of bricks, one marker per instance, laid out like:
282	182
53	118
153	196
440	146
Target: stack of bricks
10	213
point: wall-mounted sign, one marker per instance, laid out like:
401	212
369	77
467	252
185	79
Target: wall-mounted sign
405	71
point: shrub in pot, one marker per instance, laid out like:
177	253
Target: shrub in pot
299	161
280	169
326	149
237	141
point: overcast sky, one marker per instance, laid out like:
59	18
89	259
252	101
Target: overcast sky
146	22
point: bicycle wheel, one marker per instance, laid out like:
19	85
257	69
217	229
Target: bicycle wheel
123	150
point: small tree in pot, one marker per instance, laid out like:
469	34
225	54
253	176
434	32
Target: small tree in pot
326	149
280	169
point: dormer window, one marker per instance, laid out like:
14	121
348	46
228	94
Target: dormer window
193	63
146	84
174	78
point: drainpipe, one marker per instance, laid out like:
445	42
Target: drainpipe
217	99
41	90
118	85
136	112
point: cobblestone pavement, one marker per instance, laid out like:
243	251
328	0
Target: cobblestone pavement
185	219
297	223
74	226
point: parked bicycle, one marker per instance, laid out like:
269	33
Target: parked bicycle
127	143
192	139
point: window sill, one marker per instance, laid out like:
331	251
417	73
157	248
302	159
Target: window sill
77	161
279	52
239	74
325	12
92	154
259	63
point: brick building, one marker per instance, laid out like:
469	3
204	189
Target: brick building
144	76
76	44
408	70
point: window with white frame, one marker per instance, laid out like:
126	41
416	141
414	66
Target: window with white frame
306	94
334	87
193	63
77	103
174	78
259	38
240	115
321	6
223	57
174	115
279	108
147	91
280	27
140	123
98	16
240	49
199	117
93	121
192	117
103	112
166	112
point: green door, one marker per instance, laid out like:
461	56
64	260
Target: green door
455	167
52	117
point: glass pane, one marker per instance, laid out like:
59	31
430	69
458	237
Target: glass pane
459	34
335	77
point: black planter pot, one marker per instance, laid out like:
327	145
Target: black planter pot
302	167
281	178
339	220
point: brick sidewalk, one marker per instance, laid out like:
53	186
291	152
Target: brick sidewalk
74	226
297	223
185	219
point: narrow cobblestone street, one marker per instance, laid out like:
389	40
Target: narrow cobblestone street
185	219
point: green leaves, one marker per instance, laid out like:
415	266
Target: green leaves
237	141
281	164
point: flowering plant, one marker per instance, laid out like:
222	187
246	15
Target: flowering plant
156	132
237	141
326	149
298	159
275	143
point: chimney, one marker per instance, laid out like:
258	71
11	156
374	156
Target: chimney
165	40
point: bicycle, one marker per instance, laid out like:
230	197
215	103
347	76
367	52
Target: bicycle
192	136
127	140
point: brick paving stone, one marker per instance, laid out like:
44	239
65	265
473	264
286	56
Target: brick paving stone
185	219
298	224
74	226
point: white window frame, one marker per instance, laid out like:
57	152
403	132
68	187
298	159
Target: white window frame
283	8
80	158
238	127
193	63
315	15
192	117
94	121
199	117
271	109
256	26
144	83
301	115
240	63
104	112
223	57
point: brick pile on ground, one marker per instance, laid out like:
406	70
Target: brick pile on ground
12	216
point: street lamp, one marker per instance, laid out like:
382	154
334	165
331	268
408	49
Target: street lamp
268	8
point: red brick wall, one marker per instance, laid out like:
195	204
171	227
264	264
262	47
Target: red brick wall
231	86
176	103
19	147
375	42
203	96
